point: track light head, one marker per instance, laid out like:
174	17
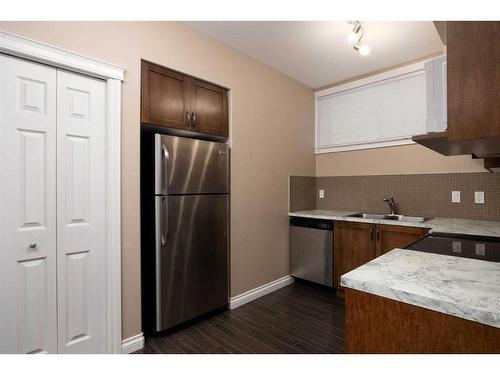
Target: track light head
355	36
362	49
356	33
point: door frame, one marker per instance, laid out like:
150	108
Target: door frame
113	75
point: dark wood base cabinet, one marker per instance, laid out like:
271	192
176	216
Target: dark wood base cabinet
358	243
378	325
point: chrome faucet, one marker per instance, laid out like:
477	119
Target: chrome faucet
392	205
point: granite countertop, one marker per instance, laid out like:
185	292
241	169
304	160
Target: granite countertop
441	225
322	214
462	287
464	226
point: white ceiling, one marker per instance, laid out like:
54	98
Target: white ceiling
318	53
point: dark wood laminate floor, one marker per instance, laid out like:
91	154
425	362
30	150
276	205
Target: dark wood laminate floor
296	319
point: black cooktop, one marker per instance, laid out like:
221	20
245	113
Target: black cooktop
464	246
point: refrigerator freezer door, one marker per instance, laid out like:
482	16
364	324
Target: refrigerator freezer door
190	166
191	257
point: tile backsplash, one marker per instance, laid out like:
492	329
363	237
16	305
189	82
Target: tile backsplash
417	194
302	193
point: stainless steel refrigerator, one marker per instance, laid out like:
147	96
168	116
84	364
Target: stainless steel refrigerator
191	210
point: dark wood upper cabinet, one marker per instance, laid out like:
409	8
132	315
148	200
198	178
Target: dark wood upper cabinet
165	97
176	100
473	91
209	106
358	243
473	79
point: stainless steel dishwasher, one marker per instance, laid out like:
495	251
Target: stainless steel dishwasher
311	249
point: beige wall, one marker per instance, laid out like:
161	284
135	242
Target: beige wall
387	69
408	159
272	120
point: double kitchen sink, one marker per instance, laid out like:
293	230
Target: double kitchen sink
411	219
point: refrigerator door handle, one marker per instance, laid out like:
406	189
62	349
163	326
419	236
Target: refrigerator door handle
161	242
164	161
164	222
165	152
161	163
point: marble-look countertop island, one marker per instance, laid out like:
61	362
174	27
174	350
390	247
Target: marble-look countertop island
465	288
435	225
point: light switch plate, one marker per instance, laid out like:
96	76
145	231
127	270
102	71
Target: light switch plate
479	197
455	197
321	193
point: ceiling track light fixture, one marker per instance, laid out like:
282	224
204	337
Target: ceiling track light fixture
355	37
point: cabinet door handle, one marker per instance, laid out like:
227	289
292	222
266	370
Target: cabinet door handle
371	233
378	234
188	117
194	118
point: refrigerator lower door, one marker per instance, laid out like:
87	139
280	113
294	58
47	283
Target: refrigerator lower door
191	257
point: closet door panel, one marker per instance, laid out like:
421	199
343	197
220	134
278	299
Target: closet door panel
28	313
81	135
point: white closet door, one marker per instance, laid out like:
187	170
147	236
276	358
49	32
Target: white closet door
28	309
81	258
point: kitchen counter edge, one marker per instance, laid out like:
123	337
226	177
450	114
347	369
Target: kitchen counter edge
438	225
433	281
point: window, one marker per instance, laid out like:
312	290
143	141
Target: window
382	110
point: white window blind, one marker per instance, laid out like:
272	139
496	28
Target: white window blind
385	110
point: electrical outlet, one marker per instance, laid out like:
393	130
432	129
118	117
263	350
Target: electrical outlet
455	197
480	249
479	197
321	193
457	247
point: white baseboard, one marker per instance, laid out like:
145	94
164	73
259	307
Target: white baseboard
131	344
260	291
